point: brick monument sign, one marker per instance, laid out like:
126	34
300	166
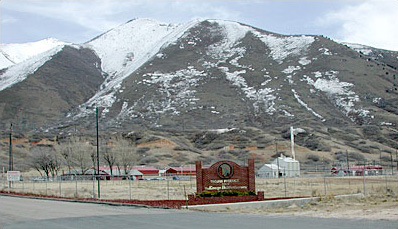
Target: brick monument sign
225	175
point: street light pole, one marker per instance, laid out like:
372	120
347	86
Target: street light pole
98	168
10	158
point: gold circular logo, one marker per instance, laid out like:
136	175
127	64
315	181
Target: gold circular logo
225	170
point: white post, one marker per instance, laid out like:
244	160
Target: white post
292	141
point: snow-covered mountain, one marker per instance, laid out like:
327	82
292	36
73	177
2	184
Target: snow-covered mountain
205	74
11	54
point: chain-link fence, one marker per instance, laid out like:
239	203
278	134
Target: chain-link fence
163	188
152	188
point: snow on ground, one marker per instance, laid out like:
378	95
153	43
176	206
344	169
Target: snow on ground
259	96
124	49
177	87
17	53
282	47
325	51
304	61
232	33
291	69
366	50
306	106
19	72
339	92
222	131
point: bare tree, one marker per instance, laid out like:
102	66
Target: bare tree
66	151
83	156
109	156
126	156
46	161
77	154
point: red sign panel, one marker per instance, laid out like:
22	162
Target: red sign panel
225	175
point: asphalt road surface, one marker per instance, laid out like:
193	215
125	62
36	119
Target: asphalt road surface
18	212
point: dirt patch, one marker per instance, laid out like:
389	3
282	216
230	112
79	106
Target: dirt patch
375	207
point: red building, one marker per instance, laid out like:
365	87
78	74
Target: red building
357	170
147	170
181	171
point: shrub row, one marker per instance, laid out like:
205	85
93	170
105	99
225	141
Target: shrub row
225	193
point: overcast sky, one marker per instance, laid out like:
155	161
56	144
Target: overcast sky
372	23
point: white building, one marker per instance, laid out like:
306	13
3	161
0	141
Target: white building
270	171
290	166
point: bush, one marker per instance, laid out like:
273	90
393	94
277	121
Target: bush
215	146
180	148
148	160
225	193
313	157
143	150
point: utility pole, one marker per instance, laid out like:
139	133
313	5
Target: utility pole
10	157
277	159
392	165
98	168
348	165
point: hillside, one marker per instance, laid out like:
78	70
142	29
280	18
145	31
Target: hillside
215	89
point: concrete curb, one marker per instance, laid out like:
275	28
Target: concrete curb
264	204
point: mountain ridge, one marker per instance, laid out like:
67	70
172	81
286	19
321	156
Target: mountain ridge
211	74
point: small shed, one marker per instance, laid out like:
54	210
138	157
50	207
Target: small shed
270	171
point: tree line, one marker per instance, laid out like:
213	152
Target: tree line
78	155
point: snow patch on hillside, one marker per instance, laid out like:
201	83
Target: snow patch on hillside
306	106
20	72
325	51
262	96
282	47
124	49
339	92
291	69
177	88
304	61
232	33
366	50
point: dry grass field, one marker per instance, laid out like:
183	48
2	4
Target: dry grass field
178	189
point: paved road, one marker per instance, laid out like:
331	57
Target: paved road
18	212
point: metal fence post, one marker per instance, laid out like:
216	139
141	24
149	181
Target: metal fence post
168	190
386	182
60	188
129	180
76	186
284	180
364	183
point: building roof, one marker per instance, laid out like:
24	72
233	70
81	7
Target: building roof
181	169
135	172
271	166
145	168
286	159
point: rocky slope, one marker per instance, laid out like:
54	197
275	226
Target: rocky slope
210	84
